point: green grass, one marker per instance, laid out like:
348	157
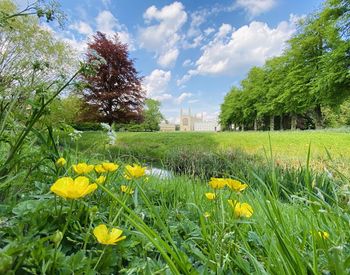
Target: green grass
163	221
285	144
289	148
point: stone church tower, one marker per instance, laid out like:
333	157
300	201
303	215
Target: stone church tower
187	121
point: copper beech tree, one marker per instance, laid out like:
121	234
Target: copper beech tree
114	91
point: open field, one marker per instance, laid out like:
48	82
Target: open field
284	144
289	148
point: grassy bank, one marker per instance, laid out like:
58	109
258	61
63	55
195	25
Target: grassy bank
289	148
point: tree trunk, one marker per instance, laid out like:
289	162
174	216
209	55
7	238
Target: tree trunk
293	124
272	123
318	117
281	123
233	127
255	124
242	127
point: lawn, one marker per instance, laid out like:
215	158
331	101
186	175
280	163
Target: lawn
289	148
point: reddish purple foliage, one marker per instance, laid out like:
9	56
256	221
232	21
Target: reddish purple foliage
115	90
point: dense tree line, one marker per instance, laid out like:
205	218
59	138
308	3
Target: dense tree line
298	88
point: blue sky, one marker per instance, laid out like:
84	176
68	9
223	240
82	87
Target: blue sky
190	53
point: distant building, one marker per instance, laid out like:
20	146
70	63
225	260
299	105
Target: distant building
207	126
167	127
187	121
191	123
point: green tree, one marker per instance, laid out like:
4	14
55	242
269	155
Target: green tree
232	109
65	110
152	115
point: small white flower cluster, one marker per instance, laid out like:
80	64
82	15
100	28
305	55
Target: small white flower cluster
112	136
75	135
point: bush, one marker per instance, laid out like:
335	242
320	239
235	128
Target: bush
87	126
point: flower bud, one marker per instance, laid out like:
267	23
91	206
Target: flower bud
57	237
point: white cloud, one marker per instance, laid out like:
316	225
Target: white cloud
182	97
208	31
187	63
168	57
163	36
156	85
193	101
106	3
256	7
82	27
79	46
186	77
108	24
233	52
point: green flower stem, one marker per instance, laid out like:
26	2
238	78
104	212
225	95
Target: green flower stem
88	233
99	259
222	213
68	218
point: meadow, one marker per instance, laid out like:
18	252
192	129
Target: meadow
289	147
260	219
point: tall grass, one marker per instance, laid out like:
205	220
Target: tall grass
299	225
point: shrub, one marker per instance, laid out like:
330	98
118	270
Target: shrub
87	126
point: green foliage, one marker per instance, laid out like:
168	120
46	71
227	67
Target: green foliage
34	62
311	76
87	126
166	230
152	115
65	111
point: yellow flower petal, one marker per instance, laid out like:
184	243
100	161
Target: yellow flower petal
82	168
323	234
73	189
206	214
61	185
99	169
135	171
241	209
101	233
126	189
101	180
210	196
110	166
61	162
217	183
103	236
236	185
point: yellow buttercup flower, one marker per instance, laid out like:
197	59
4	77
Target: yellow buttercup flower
323	234
68	188
61	162
241	209
217	183
101	180
206	215
210	196
135	171
104	236
83	168
99	169
126	189
110	166
236	185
